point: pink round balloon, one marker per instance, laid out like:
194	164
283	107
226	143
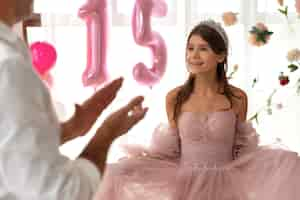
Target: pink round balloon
44	56
144	36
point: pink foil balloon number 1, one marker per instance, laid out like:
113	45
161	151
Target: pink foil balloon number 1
94	12
144	36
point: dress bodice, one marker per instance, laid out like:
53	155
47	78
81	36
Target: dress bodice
207	138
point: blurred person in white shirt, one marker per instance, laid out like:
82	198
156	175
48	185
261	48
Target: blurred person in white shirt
31	166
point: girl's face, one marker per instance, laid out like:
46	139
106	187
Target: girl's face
200	57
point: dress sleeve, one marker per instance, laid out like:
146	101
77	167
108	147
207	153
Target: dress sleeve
165	144
246	139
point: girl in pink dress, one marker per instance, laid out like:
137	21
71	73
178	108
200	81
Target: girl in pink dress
208	151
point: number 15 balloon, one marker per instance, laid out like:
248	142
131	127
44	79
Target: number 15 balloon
144	36
94	12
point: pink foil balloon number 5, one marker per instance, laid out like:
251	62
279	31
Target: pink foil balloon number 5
144	36
94	12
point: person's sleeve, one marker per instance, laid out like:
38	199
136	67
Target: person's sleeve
31	165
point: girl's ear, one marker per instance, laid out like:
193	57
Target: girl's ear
221	57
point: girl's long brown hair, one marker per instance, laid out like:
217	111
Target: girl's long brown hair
219	46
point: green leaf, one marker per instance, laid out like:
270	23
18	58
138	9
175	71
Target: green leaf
284	11
256	119
255	80
269	100
298	90
298	86
293	67
268	32
269	111
260	37
263	39
254	30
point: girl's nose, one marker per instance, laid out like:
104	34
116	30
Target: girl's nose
196	53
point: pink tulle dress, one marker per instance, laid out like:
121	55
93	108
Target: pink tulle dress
211	156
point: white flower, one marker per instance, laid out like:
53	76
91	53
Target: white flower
293	55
